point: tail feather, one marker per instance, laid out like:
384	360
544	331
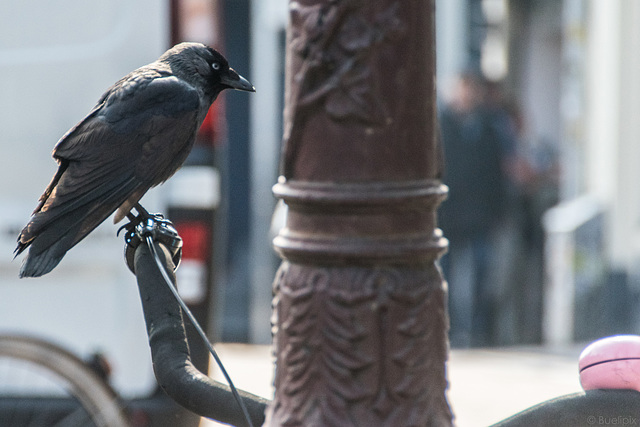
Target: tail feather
42	263
50	245
50	234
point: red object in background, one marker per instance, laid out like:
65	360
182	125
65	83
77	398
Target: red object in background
207	132
196	238
193	276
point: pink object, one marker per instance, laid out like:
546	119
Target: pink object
611	363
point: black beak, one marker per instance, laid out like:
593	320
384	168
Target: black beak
236	81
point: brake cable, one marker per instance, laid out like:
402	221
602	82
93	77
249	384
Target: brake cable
150	227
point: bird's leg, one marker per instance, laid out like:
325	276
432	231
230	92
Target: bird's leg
144	221
152	218
142	212
135	220
144	225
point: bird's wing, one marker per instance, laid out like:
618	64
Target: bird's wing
137	137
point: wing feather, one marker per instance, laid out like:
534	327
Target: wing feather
137	136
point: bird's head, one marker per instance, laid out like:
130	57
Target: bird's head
204	67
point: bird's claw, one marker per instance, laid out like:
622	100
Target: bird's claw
135	220
128	226
157	227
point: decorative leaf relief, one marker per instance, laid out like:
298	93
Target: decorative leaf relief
337	47
342	323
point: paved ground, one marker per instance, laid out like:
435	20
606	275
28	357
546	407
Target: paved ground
486	386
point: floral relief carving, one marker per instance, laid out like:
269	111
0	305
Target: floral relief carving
361	349
335	47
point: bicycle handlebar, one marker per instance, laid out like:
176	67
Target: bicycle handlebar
175	373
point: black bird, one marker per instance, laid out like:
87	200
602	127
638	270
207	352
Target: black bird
136	137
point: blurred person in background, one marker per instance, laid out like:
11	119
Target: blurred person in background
479	141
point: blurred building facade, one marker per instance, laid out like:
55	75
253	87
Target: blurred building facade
569	68
56	59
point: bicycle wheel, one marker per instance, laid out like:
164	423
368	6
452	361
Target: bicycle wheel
42	385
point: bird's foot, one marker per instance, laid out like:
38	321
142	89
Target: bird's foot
135	220
145	225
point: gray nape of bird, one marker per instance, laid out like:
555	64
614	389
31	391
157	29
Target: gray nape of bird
138	134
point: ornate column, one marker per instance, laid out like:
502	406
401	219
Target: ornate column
359	308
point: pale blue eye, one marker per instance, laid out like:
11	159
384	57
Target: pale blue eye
215	65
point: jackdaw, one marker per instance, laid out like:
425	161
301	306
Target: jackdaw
136	137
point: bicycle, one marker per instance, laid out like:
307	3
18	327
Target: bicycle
42	384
